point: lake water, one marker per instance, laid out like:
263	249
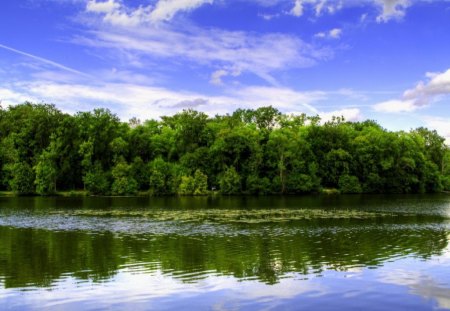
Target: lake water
390	253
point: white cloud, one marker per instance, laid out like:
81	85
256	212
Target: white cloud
388	9
391	9
146	102
242	51
420	96
441	125
334	33
297	10
363	18
349	114
102	7
285	99
166	9
216	77
115	13
439	84
321	35
9	97
268	17
395	105
318	6
118	14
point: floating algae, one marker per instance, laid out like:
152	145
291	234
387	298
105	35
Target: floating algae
232	216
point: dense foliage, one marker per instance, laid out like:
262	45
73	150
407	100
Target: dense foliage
248	152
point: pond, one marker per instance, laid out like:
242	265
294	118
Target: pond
362	252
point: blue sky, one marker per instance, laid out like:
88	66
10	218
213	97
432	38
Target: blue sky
387	60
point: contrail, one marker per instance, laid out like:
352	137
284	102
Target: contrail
43	60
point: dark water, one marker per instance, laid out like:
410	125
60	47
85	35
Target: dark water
52	259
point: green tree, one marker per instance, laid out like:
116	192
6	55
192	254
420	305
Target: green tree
230	182
281	148
96	180
201	183
101	128
247	152
123	182
189	127
140	172
187	185
194	185
338	162
46	174
119	148
163	180
257	185
349	184
22	181
446	170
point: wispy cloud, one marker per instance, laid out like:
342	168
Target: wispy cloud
297	10
334	33
441	124
44	60
387	9
421	96
129	100
391	9
9	97
103	6
225	52
116	13
166	9
349	114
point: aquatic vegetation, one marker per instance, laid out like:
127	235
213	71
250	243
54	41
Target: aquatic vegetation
232	216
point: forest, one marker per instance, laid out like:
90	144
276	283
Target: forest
44	151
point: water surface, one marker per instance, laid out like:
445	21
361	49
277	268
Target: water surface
52	257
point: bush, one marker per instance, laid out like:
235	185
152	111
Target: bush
96	181
349	184
300	183
446	183
197	185
124	186
45	175
124	183
257	185
187	185
230	182
22	181
201	183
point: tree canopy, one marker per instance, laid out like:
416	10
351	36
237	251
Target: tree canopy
262	151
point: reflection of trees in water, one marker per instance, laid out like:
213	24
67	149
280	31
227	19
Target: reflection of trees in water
38	257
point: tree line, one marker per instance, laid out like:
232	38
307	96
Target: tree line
261	151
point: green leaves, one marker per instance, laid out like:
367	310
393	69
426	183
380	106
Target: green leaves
22	178
230	182
194	185
46	173
123	181
257	151
349	184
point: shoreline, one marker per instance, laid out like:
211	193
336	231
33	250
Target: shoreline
324	192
